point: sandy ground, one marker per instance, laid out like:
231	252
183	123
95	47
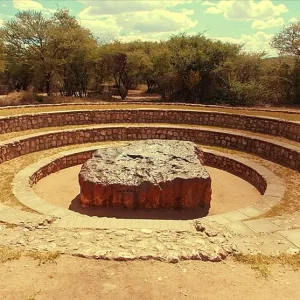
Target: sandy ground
229	193
74	278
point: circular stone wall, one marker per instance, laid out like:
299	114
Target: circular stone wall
266	182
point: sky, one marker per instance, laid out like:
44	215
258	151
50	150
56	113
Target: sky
248	22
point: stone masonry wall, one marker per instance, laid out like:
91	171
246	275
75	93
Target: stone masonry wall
271	126
221	162
282	153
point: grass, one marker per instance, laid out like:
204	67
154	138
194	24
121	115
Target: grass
18	98
93	105
32	297
12	99
262	263
44	257
291	200
8	254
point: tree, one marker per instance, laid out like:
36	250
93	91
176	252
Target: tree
2	55
77	55
287	42
27	39
241	78
51	46
184	66
126	64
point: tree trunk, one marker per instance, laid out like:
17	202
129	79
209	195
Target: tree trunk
48	84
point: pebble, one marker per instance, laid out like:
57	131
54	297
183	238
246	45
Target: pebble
293	251
147	231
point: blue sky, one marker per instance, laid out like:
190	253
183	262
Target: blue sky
250	22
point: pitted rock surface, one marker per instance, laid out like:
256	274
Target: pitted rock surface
146	174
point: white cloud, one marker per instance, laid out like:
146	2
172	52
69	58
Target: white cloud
259	41
274	22
106	7
103	27
136	19
27	4
214	10
157	36
246	10
158	20
207	3
293	20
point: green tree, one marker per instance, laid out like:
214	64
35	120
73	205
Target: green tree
27	39
76	58
287	43
54	47
126	64
243	81
184	66
2	56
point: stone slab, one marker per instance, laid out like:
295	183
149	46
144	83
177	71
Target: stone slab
292	235
261	226
269	244
3	207
220	219
234	216
239	228
250	211
14	216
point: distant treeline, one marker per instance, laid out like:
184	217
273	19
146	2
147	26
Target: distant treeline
57	54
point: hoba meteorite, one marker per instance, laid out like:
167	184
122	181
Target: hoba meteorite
146	174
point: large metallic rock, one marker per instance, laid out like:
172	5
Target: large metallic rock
146	174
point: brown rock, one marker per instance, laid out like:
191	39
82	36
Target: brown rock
146	174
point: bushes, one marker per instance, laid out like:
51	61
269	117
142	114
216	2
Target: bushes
250	93
20	98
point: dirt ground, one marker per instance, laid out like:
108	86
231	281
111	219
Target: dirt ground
79	278
229	193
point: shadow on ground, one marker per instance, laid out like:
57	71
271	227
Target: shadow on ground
122	213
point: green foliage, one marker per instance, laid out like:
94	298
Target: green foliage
2	57
127	64
249	93
38	98
54	49
184	66
287	42
57	54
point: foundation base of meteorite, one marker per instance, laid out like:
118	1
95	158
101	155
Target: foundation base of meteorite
146	174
